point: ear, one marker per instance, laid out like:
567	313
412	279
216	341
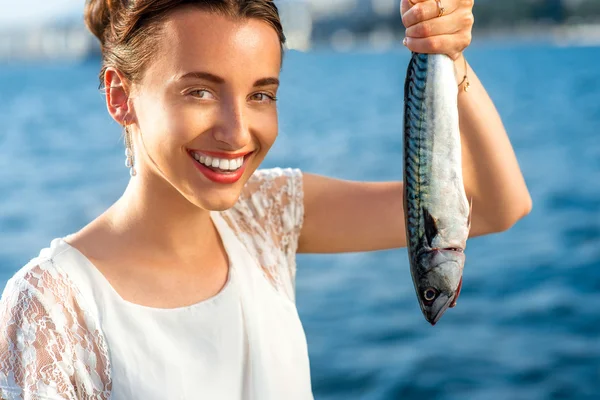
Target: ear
117	97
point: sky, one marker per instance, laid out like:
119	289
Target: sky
31	12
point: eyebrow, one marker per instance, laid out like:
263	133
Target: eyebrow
218	80
266	82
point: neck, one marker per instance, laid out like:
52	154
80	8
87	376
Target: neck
151	214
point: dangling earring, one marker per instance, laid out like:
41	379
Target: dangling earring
130	160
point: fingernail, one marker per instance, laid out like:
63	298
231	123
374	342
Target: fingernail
405	41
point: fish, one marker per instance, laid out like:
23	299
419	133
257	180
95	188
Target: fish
437	213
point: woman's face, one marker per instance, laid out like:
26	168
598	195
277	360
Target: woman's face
207	99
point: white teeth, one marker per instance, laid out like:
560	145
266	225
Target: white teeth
221	163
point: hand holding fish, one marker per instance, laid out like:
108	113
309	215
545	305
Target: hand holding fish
457	153
436	205
438	27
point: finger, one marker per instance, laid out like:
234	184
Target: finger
447	24
424	10
405	5
441	44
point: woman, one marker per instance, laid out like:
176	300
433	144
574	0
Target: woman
184	288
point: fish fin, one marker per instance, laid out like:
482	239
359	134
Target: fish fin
470	215
431	229
457	293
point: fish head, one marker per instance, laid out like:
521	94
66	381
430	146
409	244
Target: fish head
438	281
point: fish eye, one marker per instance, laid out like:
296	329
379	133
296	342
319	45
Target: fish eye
430	294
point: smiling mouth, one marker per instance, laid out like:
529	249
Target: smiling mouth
222	165
221	168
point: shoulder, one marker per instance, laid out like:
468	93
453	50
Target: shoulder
40	275
44	326
40	284
43	289
271	203
274	197
32	281
268	219
274	176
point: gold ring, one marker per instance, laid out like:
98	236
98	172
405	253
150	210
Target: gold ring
442	9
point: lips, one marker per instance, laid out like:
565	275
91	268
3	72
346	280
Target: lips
225	168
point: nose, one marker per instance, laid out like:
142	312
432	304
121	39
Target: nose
233	130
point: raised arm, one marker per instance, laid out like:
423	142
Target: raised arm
342	216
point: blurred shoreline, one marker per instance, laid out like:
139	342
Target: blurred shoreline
43	44
341	25
587	34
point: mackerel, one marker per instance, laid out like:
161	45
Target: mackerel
436	209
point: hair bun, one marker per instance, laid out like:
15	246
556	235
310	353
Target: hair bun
98	16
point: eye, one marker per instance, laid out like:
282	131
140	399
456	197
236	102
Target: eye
430	294
202	94
263	97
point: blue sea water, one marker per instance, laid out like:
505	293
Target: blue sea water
527	325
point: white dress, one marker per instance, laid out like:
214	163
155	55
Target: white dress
65	333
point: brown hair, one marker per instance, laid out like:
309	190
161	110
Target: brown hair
128	29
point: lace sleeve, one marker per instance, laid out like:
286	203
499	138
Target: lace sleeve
49	348
268	218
